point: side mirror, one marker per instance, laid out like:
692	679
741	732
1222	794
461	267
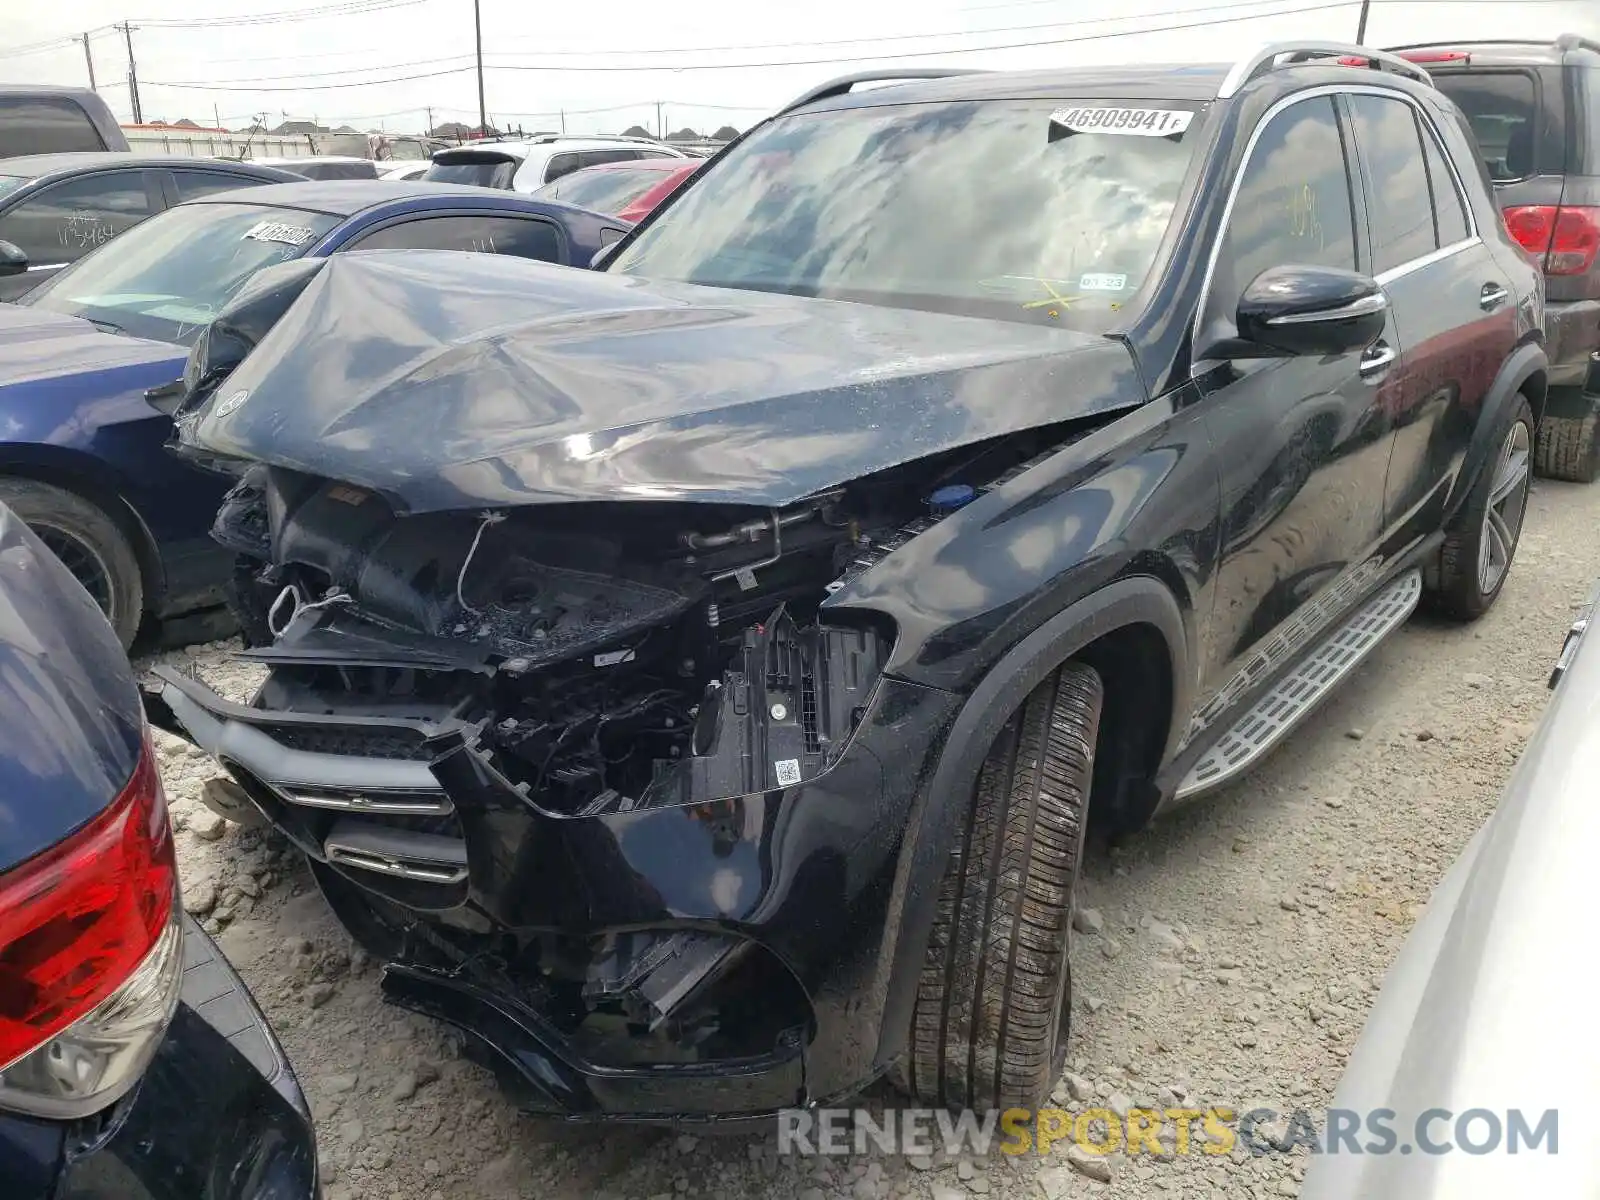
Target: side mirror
1297	310
12	260
603	255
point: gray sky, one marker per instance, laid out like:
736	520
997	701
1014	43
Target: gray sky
625	55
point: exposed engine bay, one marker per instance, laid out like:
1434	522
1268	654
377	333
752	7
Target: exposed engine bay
598	660
612	652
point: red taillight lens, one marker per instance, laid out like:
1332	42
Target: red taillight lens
1566	238
76	920
1428	56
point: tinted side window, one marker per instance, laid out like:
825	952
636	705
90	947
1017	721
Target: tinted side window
1450	211
45	125
591	158
1399	211
1502	107
523	237
559	165
63	223
193	184
1293	206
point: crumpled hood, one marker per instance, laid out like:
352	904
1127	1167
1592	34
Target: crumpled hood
446	380
36	344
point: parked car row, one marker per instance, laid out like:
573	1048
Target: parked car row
696	648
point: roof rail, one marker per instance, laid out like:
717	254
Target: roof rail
843	84
1280	54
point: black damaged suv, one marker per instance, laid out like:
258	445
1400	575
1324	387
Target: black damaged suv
693	677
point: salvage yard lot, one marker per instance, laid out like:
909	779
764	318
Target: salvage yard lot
1238	943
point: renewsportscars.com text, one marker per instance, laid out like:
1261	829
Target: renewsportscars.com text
1166	1133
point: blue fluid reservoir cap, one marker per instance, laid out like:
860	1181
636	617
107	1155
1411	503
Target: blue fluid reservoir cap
952	497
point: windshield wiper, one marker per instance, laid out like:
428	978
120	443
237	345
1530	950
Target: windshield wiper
106	326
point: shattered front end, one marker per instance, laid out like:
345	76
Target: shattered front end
609	786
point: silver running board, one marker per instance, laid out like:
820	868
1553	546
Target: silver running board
1270	718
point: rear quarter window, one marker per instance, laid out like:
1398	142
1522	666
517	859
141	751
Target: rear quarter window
45	125
1502	110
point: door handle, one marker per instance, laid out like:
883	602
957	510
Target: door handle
1492	296
1377	356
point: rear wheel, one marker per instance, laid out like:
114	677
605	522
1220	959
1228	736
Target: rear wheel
89	543
1481	539
994	1002
1567	447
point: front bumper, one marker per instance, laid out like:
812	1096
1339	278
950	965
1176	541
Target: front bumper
218	1115
1572	336
804	874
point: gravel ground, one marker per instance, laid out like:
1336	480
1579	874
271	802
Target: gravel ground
1229	957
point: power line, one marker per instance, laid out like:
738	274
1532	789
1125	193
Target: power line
285	17
810	62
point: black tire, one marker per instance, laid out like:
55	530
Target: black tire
1462	591
1568	448
91	545
992	1014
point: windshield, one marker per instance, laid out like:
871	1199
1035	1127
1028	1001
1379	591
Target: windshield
607	191
166	277
10	183
1049	211
482	172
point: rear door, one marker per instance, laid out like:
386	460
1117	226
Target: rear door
60	223
1451	302
1304	441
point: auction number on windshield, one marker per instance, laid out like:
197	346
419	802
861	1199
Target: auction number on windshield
1139	122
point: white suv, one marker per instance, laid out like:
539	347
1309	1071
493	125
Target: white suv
527	165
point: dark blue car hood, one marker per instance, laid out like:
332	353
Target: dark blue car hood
37	345
446	380
69	709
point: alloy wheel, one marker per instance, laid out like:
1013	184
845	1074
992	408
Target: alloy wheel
1508	503
83	561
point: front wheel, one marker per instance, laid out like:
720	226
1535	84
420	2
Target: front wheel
993	1006
89	543
1481	539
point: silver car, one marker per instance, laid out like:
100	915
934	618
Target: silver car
1480	1054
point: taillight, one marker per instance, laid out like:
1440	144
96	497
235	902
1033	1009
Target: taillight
1565	238
91	957
1428	56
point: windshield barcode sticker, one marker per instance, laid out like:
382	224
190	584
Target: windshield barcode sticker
1138	122
279	231
787	770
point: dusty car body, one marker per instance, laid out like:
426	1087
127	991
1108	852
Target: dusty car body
1477	1011
647	642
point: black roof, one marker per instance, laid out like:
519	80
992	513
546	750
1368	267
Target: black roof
342	197
1133	81
37	166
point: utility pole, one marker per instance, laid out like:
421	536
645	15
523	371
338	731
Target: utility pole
563	121
216	115
88	59
1361	25
429	129
658	119
483	112
133	73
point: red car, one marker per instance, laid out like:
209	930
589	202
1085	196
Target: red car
627	190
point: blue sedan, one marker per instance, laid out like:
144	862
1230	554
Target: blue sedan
82	456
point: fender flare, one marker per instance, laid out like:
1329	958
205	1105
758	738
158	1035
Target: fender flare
1524	362
936	817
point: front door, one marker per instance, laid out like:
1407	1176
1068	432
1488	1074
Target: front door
1450	301
1303	442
